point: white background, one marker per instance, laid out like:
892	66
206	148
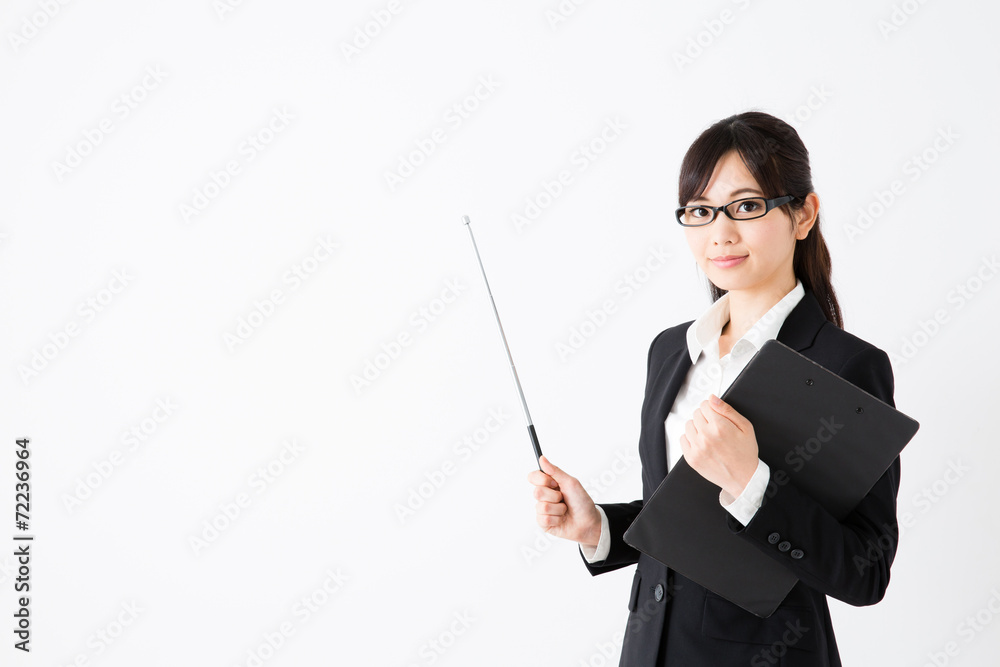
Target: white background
114	531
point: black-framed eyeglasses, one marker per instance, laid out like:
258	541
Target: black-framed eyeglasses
748	208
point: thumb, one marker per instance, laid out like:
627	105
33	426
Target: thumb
727	411
552	470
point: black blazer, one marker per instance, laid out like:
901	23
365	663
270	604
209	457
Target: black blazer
674	621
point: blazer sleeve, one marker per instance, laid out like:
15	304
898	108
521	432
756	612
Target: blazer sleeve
848	560
621	515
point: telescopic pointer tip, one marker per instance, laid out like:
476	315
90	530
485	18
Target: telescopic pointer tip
465	219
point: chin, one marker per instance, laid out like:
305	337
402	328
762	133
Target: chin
738	278
726	282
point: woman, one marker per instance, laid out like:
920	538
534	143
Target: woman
751	220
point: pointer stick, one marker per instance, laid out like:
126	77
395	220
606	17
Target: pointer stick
513	371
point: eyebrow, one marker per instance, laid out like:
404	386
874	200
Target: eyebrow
734	193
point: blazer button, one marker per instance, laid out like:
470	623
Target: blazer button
796	554
773	538
784	546
658	592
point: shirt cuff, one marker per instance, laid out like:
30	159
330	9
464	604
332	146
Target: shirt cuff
595	555
745	506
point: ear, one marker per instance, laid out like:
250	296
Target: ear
806	216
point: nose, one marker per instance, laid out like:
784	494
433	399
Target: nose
723	230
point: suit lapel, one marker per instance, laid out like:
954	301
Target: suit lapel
671	376
799	329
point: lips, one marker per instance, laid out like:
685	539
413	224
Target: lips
726	261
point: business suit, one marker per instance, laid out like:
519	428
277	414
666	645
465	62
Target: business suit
688	625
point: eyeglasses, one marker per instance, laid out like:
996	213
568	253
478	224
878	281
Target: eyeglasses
749	208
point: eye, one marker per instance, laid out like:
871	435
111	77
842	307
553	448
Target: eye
749	206
698	212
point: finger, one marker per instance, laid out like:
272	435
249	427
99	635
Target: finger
685	444
714	422
539	478
550	509
691	433
548	495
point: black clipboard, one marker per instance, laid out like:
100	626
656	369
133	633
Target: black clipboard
792	402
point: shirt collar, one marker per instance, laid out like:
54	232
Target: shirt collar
707	328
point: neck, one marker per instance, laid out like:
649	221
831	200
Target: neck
746	307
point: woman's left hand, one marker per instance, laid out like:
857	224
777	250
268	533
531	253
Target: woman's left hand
719	443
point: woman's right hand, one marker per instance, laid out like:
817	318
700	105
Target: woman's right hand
564	508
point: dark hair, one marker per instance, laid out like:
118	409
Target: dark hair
778	160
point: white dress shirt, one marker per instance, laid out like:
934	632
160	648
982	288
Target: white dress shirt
711	375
